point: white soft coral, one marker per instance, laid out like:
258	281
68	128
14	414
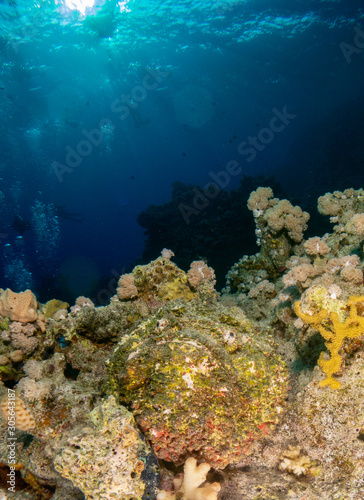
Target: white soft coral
194	476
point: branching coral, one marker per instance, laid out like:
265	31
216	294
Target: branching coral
296	463
334	332
188	488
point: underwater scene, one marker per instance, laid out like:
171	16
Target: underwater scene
181	250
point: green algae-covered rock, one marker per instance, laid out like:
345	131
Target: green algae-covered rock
200	381
161	279
52	306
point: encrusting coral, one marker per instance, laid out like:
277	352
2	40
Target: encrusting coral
188	487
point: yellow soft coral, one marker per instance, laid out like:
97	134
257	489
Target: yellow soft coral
334	332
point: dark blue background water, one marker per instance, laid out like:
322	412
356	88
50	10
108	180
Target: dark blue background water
220	70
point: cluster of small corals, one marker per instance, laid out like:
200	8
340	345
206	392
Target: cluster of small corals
316	246
61	314
126	287
200	273
285	216
296	463
264	287
302	272
21	336
355	225
278	215
80	303
338	202
24	420
346	210
187	486
244	275
299	273
261	199
33	389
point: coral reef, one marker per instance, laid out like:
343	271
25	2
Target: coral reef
170	372
223	227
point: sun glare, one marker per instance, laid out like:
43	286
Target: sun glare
83	6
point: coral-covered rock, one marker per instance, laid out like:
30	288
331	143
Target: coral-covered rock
161	279
198	379
52	306
107	460
18	306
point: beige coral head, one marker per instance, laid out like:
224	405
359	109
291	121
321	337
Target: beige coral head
20	307
199	273
356	225
316	246
260	199
127	288
167	254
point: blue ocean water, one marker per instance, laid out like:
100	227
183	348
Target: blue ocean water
105	104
